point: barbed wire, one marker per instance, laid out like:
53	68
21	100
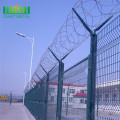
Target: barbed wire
72	33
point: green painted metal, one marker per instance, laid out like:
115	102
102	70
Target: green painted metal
97	99
36	100
75	75
90	114
38	76
67	102
60	83
84	24
54	55
46	97
77	64
43	69
59	93
91	72
100	26
91	78
46	94
108	69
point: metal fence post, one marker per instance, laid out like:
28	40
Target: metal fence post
91	78
90	114
97	100
46	97
67	101
59	93
46	94
60	83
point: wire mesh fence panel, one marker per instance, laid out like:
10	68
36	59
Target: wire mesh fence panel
108	72
52	94
35	100
74	92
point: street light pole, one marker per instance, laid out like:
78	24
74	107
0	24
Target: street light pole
25	74
32	42
31	59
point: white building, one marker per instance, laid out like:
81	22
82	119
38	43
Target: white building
108	93
72	95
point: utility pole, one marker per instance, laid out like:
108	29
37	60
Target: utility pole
10	98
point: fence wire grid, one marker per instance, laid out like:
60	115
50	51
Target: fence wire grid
108	72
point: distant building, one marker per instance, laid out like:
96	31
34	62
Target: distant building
108	93
72	95
75	96
79	100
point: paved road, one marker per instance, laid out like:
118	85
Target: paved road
16	111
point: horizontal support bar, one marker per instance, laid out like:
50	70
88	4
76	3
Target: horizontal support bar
76	64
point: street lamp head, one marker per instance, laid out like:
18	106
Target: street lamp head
20	34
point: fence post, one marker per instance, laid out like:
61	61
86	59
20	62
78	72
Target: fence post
47	86
46	94
60	83
91	78
91	84
59	93
67	101
97	100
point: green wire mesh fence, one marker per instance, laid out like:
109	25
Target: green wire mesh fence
74	93
52	94
108	72
90	89
42	99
